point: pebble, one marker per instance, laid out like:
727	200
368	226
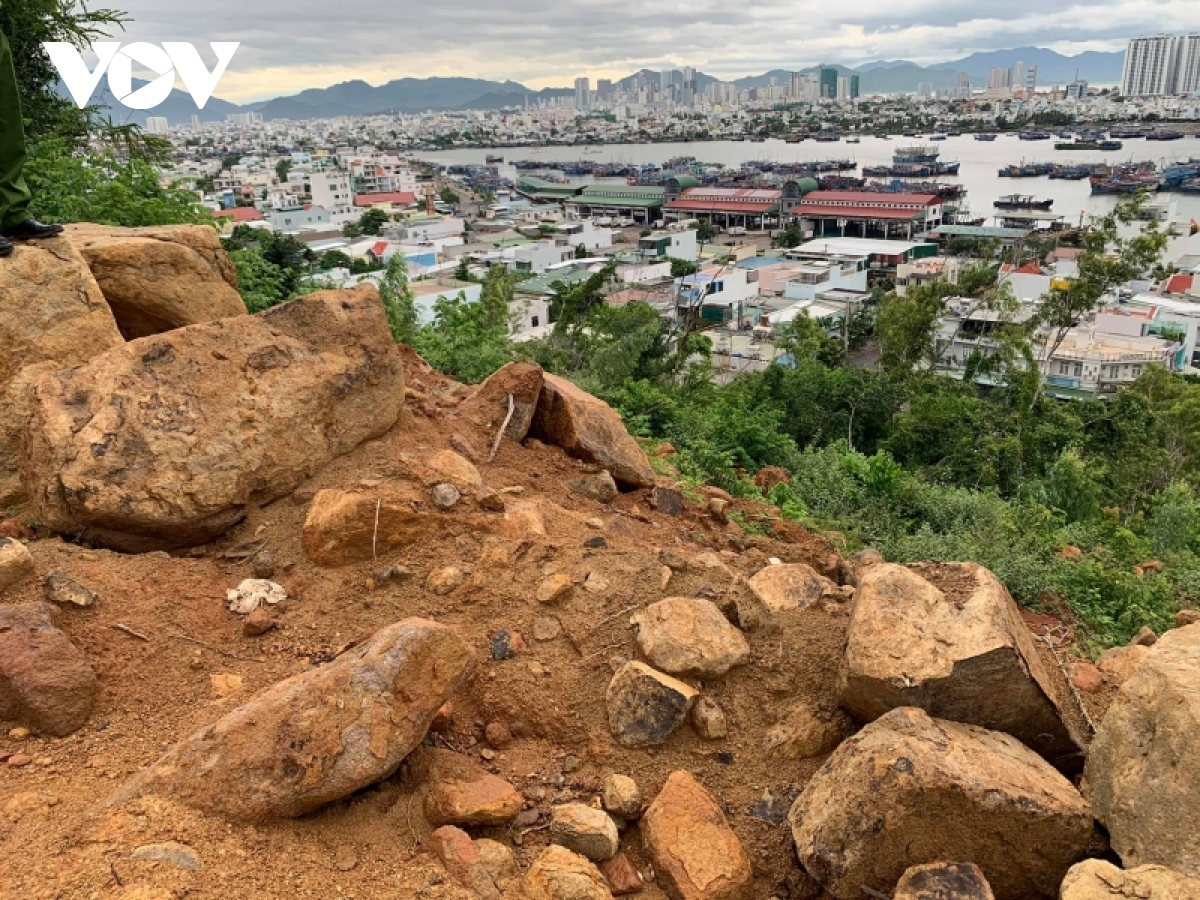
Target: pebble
345	858
594	523
19	733
587	831
181	856
555	588
263	566
546	628
527	818
571	763
17	760
621	796
622	877
443	581
595	543
446	495
503	646
497	735
709	719
1087	678
64	590
258	622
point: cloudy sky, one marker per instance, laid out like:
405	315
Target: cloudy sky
289	45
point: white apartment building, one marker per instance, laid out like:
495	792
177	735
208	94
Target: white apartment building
157	125
1162	65
670	245
330	189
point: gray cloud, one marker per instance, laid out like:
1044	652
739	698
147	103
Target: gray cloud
288	45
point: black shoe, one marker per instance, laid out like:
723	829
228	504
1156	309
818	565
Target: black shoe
6	247
31	230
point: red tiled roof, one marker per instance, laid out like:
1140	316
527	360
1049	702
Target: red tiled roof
734	206
403	198
239	214
870	197
752	194
854	212
1179	283
379	248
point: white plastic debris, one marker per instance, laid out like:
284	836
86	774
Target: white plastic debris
253	593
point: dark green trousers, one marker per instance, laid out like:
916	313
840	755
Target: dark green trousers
14	192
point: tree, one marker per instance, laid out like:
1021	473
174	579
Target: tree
448	197
105	189
336	259
398	300
372	221
681	268
30	23
259	282
705	231
581	252
469	341
788	238
281	170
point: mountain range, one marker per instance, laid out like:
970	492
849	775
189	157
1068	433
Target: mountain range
409	95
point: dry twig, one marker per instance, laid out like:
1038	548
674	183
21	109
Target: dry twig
375	533
1070	687
503	428
129	631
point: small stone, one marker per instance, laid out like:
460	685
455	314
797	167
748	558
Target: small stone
622	876
64	590
664	577
674	560
806	732
253	593
445	495
502	646
599	487
595	583
263	565
527	818
443	581
571	764
490	500
537	669
559	874
695	853
462	793
487	754
258	622
497	858
719	509
587	831
595	543
224	683
345	858
461	858
645	706
19	733
709	719
686	635
1087	678
1186	617
497	735
443	718
943	881
47	683
546	628
595	524
555	588
17	760
666	500
16	562
621	796
1144	638
181	856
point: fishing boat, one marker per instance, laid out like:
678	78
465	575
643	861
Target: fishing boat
1190	187
937	137
883	136
1022	201
985	137
1165	134
1110	145
1026	170
827	137
853	140
923	154
1076	145
494	159
1034	135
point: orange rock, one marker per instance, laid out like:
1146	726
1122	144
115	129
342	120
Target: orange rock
622	876
462	793
461	859
591	430
695	852
1086	677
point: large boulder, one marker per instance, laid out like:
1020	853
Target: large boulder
46	682
909	789
318	736
52	316
695	852
1095	879
689	636
788	587
167	440
959	651
487	408
162	277
1143	768
591	430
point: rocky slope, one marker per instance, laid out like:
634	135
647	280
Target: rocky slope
285	613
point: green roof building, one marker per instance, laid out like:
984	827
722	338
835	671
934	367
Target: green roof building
639	202
542	190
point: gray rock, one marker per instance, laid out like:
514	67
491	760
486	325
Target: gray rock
587	831
645	706
64	590
181	856
446	495
599	487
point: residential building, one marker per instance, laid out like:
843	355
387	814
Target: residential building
920	272
604	90
1162	65
962	86
330	189
999	79
1077	89
538	256
583	94
157	125
721	294
883	257
854	82
843	88
679	244
298	217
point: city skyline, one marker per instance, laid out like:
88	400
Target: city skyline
305	44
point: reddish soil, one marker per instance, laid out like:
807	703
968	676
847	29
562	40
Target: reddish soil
62	844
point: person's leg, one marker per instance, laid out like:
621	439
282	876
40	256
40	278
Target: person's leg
14	192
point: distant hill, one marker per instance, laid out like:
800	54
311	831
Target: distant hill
410	95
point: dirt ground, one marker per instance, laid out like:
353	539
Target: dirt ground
57	839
